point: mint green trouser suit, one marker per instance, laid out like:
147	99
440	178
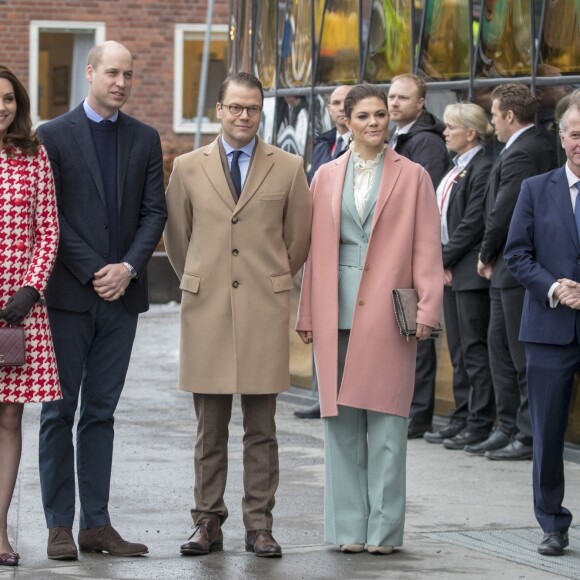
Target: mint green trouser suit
365	451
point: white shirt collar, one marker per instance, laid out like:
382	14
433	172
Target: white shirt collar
404	130
570	176
462	160
247	149
516	135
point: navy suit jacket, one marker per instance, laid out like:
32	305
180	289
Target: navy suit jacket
530	154
84	238
543	246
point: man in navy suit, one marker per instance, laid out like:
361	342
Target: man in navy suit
543	254
108	172
526	153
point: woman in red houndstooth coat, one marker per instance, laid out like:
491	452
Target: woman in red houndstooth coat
28	244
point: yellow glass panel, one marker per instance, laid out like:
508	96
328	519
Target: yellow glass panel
389	43
505	43
445	48
296	57
265	61
560	39
318	13
245	36
338	60
192	58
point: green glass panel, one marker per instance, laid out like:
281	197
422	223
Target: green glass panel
296	50
389	42
560	39
505	42
265	61
445	48
338	59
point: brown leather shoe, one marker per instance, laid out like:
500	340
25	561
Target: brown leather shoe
107	539
9	559
207	537
61	544
263	544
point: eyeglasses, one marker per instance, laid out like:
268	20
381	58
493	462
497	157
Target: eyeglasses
236	110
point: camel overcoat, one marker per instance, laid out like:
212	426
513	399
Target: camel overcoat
404	251
236	263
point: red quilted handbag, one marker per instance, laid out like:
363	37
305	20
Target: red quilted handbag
12	346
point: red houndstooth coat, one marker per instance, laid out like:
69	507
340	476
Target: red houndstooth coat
28	244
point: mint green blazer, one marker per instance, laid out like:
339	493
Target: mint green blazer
354	237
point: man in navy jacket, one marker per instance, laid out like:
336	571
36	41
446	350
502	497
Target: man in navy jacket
543	254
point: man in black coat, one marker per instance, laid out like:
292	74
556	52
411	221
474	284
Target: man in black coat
108	173
328	146
419	137
526	153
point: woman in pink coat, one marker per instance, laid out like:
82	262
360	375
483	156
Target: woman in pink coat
28	239
375	227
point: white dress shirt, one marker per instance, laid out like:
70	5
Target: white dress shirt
364	176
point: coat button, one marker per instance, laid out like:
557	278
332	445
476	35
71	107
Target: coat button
235	220
361	302
21	246
367	267
235	252
18	201
235	283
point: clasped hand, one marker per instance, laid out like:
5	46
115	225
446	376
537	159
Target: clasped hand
111	281
568	293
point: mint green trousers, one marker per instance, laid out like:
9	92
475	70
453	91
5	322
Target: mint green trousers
364	494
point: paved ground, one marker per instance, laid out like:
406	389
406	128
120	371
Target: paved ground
454	500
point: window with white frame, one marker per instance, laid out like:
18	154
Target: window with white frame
58	60
189	41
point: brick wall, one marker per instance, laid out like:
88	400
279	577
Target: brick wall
145	27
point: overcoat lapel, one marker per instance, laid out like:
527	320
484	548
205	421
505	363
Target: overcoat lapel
348	194
261	165
82	135
391	172
337	175
214	171
124	144
560	193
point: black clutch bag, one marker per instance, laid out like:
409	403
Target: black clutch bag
405	306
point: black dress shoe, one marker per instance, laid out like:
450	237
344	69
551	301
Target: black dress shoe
553	543
312	412
464	438
497	440
417	430
514	451
450	430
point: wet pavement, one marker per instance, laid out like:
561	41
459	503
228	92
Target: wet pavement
462	511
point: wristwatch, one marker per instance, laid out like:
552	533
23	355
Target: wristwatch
131	270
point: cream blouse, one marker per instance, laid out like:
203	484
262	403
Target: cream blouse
364	175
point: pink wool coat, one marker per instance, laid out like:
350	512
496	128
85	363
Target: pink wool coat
404	251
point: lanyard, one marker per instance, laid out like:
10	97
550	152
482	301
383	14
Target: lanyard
451	180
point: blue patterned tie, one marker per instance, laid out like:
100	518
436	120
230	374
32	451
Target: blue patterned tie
235	172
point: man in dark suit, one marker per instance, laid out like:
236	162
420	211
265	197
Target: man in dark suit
542	253
328	146
419	137
526	153
108	171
